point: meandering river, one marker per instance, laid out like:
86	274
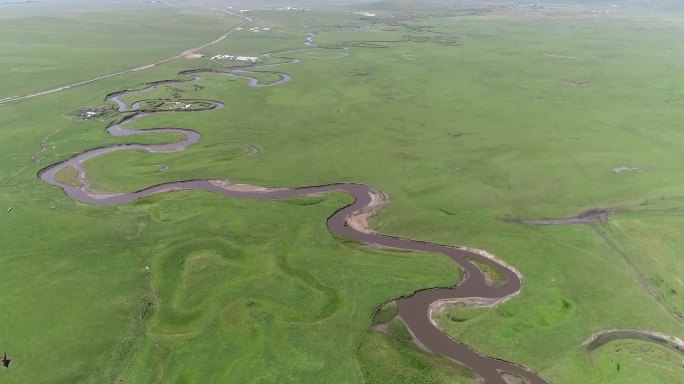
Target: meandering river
416	311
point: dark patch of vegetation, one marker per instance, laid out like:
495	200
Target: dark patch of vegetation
385	313
101	112
418	38
69	176
447	212
460	315
175	105
493	273
447	40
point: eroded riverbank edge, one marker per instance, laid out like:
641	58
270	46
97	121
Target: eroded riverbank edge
603	337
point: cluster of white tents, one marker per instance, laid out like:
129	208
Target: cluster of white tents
287	9
247	59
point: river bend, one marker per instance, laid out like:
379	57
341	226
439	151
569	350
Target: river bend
415	310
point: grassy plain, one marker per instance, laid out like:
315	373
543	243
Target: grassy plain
64	46
465	139
73	322
633	362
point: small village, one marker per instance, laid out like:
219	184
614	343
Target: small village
256	29
365	14
245	59
161	105
95	112
288	8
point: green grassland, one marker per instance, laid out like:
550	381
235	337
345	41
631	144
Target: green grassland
464	138
630	361
50	50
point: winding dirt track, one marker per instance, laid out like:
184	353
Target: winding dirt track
587	217
416	310
11	99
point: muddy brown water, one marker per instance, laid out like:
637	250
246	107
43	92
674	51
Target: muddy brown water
414	310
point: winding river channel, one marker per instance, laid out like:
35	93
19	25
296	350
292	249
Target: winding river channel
350	222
